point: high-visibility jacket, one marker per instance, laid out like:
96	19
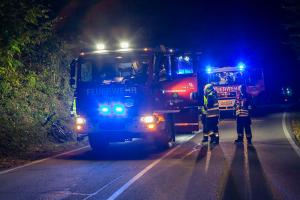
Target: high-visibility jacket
211	105
73	108
243	105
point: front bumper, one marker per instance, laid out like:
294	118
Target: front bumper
119	128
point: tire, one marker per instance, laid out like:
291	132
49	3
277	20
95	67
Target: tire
162	141
98	144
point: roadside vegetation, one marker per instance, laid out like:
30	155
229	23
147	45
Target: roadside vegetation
291	25
33	76
296	126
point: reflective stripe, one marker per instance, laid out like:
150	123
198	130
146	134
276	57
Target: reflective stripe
242	112
203	111
212	115
186	124
212	112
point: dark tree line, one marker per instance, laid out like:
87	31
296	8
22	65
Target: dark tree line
291	24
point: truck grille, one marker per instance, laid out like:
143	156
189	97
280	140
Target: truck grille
116	125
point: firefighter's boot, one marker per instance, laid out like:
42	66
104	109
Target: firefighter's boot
217	138
249	140
214	138
239	140
205	139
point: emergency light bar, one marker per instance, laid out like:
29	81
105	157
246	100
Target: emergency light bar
124	45
241	66
208	69
100	46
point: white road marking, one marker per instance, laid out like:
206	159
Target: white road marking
143	172
190	153
208	157
288	135
248	192
41	160
102	188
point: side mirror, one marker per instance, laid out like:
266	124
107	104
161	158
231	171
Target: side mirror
194	96
72	69
72	81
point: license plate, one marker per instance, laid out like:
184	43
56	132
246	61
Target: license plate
112	126
223	103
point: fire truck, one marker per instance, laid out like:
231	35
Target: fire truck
226	81
134	93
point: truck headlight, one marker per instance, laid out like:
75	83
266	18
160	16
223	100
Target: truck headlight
148	119
80	121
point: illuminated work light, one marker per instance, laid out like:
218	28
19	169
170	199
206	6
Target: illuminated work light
100	46
124	45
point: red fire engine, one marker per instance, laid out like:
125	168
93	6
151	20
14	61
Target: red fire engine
226	81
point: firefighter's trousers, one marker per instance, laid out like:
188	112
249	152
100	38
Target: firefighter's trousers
243	124
210	126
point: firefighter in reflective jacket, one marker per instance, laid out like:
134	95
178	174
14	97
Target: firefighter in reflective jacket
210	114
243	120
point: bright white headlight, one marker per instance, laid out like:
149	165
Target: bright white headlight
80	120
148	119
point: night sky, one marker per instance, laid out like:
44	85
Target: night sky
225	31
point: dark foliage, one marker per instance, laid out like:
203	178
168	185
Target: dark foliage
33	74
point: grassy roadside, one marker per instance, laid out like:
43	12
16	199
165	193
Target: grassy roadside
38	153
296	126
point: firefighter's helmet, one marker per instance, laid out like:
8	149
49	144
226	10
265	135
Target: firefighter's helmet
208	88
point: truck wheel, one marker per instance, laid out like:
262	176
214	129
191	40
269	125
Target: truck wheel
165	137
98	144
162	143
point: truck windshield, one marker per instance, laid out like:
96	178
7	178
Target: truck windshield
106	69
227	78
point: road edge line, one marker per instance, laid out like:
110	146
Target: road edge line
41	160
288	135
124	187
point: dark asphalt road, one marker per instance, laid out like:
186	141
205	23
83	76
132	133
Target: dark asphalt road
268	170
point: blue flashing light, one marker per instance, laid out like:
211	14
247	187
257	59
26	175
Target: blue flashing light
119	109
104	109
180	58
208	69
241	66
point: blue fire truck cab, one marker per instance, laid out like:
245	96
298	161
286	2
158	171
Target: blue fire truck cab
133	93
